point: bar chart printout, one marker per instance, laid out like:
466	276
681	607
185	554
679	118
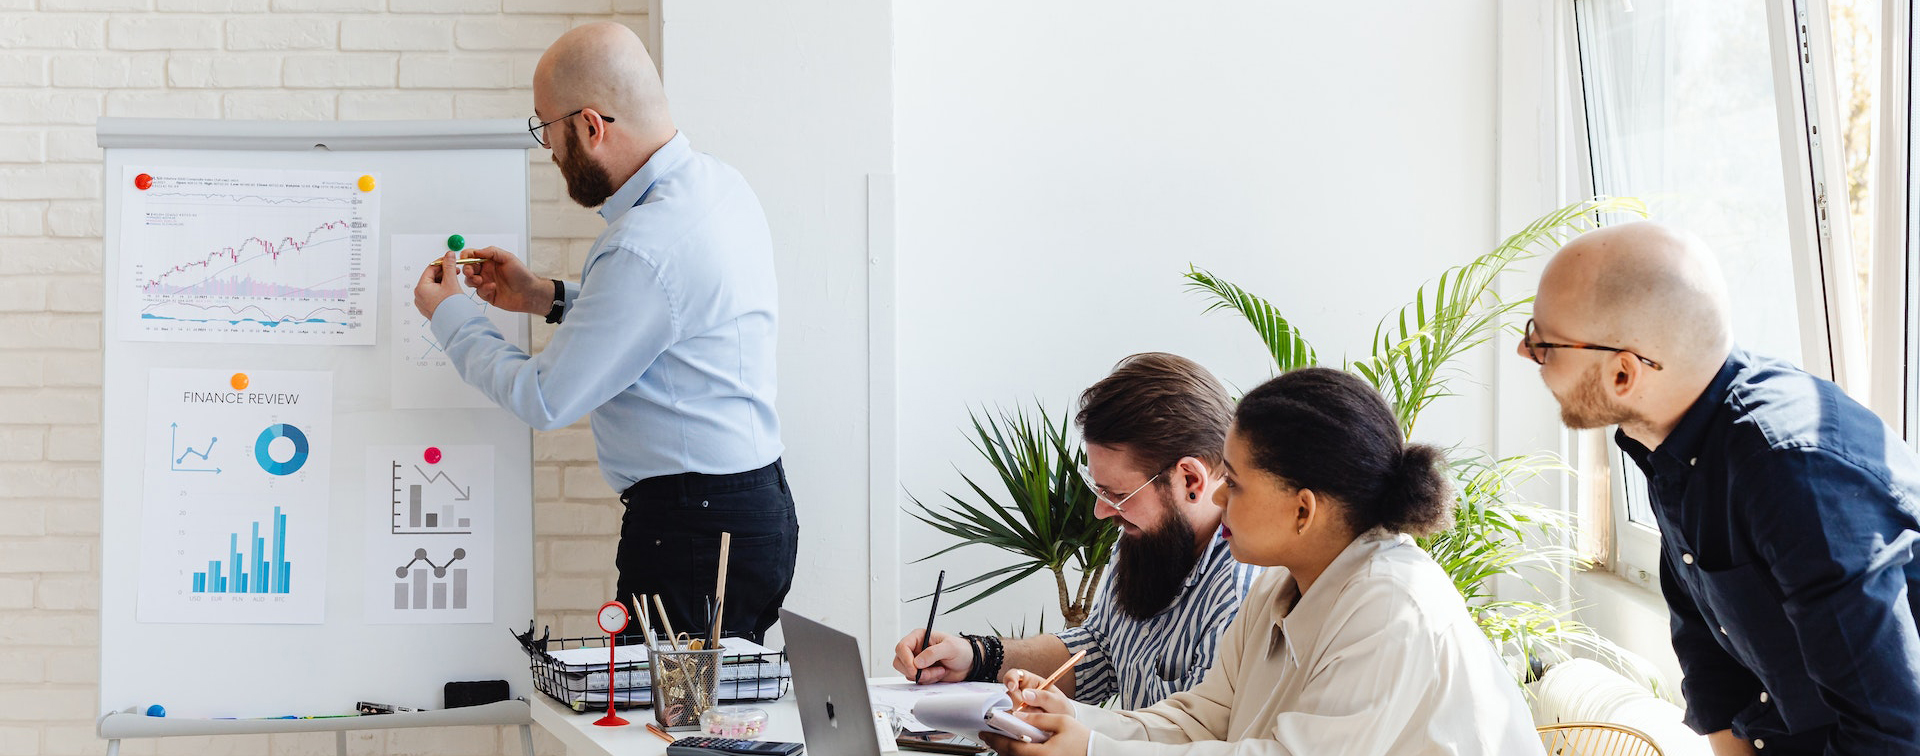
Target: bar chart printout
234	509
430	536
265	569
425	585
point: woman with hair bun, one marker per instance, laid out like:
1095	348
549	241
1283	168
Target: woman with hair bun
1359	644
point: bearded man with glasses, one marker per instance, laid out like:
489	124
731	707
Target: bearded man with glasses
666	343
1155	431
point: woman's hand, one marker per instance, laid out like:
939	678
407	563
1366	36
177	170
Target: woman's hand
1050	711
1020	680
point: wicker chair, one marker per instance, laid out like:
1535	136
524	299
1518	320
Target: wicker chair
1596	739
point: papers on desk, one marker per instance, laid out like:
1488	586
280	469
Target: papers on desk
967	713
587	658
904	696
578	676
728	690
628	677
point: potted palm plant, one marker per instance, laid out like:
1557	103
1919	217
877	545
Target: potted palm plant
1047	519
1497	531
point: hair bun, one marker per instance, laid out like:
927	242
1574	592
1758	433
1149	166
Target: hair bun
1417	498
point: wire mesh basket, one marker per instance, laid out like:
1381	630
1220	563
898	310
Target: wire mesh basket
584	686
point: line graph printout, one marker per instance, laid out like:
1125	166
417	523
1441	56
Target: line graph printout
237	255
423	374
430	535
234	510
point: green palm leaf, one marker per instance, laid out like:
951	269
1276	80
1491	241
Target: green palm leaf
1413	350
1289	349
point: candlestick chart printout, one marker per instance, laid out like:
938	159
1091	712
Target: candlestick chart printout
248	256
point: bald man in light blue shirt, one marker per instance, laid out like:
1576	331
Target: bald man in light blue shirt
667	343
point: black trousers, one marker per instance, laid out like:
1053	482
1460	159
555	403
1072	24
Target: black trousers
670	545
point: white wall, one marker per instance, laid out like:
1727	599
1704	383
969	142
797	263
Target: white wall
1061	163
797	96
1058	166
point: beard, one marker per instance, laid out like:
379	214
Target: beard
1588	406
1153	566
587	182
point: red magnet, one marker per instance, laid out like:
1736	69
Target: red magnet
433	455
143	182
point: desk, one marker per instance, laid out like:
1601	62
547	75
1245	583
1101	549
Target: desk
582	738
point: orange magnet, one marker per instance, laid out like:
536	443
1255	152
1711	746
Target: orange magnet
366	183
238	381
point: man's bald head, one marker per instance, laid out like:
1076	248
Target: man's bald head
603	66
1641	286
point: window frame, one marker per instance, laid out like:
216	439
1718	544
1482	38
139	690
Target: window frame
1894	339
1832	335
1832	339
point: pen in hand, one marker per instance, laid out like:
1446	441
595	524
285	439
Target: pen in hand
927	637
1051	679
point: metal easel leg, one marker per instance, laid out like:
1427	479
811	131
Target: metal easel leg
113	747
526	739
340	742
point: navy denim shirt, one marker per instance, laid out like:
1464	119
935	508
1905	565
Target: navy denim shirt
1789	518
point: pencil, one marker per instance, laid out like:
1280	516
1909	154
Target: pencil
646	625
720	591
672	640
927	637
1056	675
659	733
462	261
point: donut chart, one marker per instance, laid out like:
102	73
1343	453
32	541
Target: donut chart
263	455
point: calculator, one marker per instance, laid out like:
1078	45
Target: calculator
730	747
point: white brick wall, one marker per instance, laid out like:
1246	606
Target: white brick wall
64	63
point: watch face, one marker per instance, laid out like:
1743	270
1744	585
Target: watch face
613	617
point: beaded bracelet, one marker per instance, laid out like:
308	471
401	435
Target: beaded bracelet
988	657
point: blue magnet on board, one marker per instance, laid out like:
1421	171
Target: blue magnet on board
156	710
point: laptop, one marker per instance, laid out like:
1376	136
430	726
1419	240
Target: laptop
830	686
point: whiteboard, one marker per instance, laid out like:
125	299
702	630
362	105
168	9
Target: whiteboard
467	176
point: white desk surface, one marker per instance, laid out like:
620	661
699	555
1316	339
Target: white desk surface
583	738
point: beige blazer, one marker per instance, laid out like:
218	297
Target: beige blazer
1380	657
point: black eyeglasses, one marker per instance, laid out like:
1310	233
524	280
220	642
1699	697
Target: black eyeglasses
539	130
1537	350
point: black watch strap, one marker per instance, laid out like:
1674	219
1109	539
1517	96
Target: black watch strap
559	311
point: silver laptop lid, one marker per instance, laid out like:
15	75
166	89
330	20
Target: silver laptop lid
830	686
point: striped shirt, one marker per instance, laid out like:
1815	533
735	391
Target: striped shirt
1145	661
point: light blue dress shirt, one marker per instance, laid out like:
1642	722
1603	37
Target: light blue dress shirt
668	342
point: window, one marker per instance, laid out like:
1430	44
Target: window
1713	113
1681	112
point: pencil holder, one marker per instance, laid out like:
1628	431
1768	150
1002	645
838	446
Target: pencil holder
684	685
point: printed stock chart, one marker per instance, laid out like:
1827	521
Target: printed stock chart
233	255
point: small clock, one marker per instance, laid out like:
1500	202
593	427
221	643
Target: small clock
613	617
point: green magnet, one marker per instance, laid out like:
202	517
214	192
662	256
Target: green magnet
456	242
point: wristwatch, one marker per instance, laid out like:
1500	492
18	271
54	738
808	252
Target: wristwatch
559	311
